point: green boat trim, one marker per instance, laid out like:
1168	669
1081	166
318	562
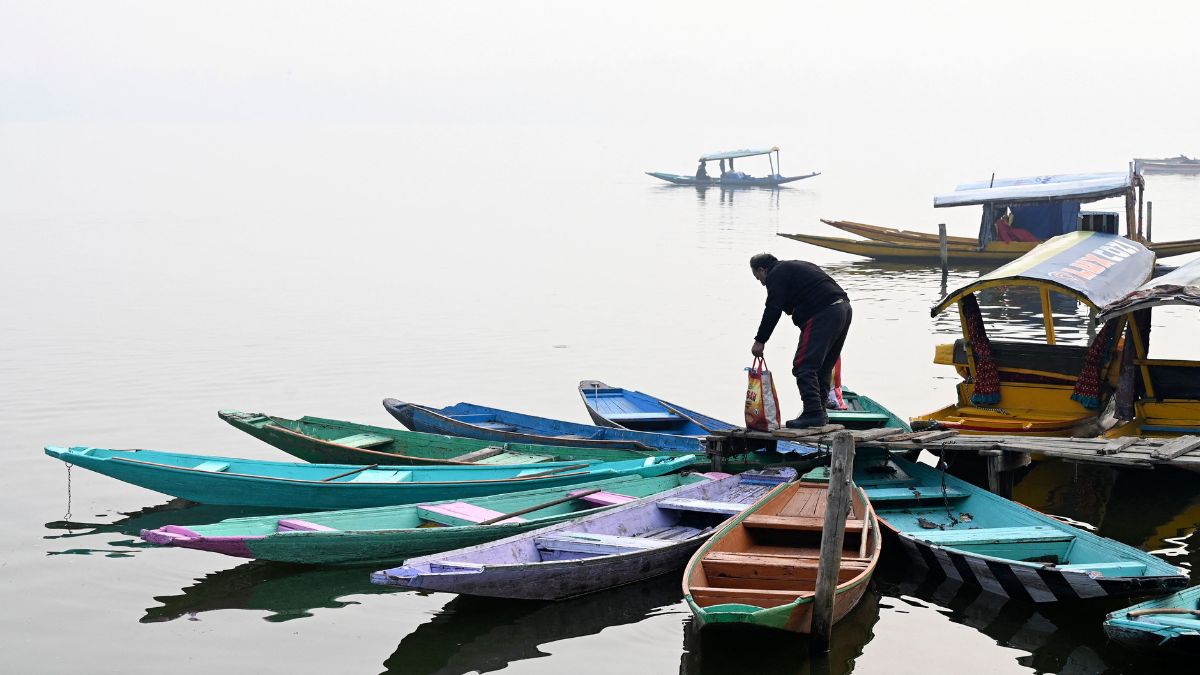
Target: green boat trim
329	441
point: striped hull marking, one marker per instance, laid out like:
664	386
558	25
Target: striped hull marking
1019	582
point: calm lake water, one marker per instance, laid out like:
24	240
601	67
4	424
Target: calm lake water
169	256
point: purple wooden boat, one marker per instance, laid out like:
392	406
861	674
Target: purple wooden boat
642	539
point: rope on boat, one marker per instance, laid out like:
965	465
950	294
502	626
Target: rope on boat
67	515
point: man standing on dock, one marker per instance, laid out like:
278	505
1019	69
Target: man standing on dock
819	306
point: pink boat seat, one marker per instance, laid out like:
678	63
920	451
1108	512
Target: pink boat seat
297	525
461	513
604	498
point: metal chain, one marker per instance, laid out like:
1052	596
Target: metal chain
67	516
945	497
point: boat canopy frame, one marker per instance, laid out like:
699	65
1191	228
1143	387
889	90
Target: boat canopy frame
1093	268
731	155
1178	287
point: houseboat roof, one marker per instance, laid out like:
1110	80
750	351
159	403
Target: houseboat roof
1084	187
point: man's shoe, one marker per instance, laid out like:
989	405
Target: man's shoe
808	420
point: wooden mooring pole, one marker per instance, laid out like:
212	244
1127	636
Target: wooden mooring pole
1149	220
943	248
841	470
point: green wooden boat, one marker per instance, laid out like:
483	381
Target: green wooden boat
387	534
321	440
291	485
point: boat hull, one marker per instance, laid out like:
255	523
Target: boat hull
291	487
776	575
772	181
516	568
393	533
1085	566
918	251
1166	625
299	438
520	428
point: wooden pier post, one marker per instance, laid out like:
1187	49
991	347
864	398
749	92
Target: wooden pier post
1149	219
841	470
943	248
1000	467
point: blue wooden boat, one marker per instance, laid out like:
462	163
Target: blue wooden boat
628	409
732	178
245	482
493	424
977	538
390	533
639	540
1170	624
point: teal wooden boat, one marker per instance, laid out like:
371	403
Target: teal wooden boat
972	536
321	440
389	533
244	482
1168	625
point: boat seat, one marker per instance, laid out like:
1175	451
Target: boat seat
215	467
495	426
297	525
644	417
1175	381
799	523
460	513
1108	569
596	544
381	476
1037	534
603	498
1059	359
708	596
744	566
844	416
476	455
703	506
915	493
362	440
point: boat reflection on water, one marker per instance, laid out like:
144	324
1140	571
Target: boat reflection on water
734	648
474	634
1059	637
285	592
173	512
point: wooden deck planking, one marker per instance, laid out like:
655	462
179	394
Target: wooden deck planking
1181	452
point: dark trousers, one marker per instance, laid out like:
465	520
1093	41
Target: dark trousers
821	340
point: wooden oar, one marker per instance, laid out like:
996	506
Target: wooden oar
1164	610
555	470
352	471
514	514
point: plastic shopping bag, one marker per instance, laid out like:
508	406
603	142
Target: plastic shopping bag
762	403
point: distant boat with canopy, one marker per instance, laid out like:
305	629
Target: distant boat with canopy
728	176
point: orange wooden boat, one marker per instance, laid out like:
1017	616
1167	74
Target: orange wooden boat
761	568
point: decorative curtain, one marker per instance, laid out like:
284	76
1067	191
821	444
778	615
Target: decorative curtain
987	378
1087	388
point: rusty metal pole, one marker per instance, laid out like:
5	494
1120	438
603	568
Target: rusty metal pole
841	470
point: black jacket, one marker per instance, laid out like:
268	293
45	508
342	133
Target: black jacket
800	289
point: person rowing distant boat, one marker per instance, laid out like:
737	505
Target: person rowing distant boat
821	309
